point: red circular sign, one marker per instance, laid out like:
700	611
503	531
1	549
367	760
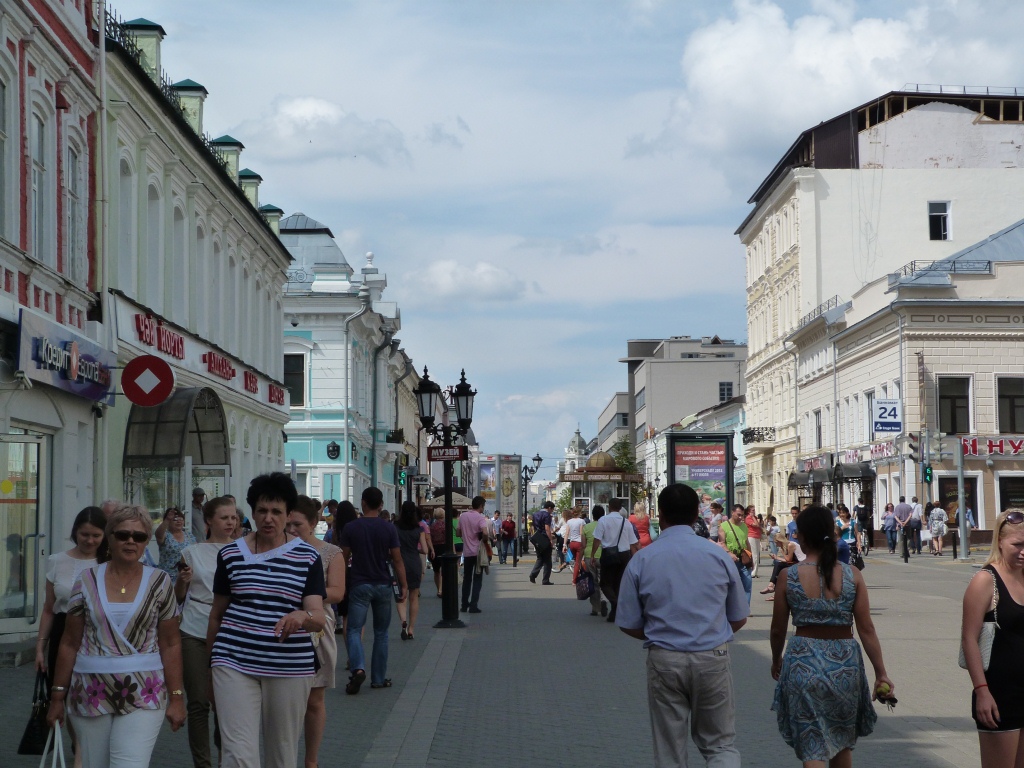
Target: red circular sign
147	380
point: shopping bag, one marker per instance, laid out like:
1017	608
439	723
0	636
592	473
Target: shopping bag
33	740
54	737
568	556
584	585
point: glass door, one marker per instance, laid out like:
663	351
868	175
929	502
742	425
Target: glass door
21	572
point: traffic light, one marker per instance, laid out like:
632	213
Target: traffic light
928	473
913	447
401	477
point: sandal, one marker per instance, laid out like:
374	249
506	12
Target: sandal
385	684
355	680
768	590
770	599
405	632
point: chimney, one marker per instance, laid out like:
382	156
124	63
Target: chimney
273	216
192	96
249	181
230	148
148	35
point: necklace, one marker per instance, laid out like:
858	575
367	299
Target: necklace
125	585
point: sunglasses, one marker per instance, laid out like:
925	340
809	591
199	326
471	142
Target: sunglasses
1014	518
137	536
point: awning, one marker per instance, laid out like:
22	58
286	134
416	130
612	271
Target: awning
189	423
821	475
860	470
799	479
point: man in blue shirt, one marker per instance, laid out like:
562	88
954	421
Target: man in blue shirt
683	597
791	525
543	542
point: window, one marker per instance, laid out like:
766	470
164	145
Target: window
869	415
938	221
954	405
75	266
295	379
724	391
38	226
641	434
622	419
817	429
3	157
1011	405
641	398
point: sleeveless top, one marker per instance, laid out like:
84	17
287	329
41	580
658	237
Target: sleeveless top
828	611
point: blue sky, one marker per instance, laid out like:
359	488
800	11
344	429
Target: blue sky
542	180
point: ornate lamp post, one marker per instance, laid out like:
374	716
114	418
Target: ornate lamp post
527	475
461	396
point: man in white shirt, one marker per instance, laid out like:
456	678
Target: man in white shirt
916	514
614	532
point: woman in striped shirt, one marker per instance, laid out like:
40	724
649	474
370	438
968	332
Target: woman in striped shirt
268	599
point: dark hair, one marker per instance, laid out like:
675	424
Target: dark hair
409	516
332	503
277	486
794	509
549	505
597	512
678	504
615	505
478	502
308	508
817	533
740	507
373	498
345	515
91	516
210	508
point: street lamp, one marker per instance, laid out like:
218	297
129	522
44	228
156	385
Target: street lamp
527	474
461	396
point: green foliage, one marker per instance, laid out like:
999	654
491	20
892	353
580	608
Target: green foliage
564	500
625	459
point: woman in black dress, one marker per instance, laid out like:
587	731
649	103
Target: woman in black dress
996	593
412	539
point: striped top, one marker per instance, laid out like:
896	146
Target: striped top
262	588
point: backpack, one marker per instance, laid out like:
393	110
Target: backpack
701	528
437	533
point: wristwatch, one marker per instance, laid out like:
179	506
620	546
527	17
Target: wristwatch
177	692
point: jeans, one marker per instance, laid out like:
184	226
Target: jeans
360	600
506	547
914	526
890	538
471	583
543	561
748	583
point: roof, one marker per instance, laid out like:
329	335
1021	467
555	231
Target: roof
248	173
190	85
301	224
578	444
141	23
269	208
228	141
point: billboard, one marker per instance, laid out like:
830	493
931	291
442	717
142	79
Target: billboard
509	492
489	481
704	462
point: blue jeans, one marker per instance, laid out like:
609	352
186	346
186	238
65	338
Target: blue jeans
360	600
748	582
505	547
890	538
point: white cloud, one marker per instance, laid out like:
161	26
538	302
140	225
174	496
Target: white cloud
448	279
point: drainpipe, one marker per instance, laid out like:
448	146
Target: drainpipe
100	442
406	372
364	299
388	335
835	419
903	416
796	394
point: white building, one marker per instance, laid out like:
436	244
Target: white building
351	422
910	176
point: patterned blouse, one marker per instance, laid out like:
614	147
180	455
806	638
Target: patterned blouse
170	553
120	693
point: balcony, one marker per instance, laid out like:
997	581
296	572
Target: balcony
395	436
938	272
758	435
821	309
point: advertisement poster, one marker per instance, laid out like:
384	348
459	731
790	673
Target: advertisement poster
509	492
489	482
704	464
948	494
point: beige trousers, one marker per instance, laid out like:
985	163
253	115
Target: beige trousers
246	703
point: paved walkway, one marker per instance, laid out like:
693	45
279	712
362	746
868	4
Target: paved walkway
535	680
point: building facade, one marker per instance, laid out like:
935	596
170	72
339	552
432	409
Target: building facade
613	423
909	177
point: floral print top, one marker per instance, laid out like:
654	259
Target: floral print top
170	553
91	693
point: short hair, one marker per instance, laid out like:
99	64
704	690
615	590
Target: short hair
598	511
308	508
210	508
479	502
276	486
373	498
615	505
678	504
794	509
740	507
903	499
549	505
439	514
124	513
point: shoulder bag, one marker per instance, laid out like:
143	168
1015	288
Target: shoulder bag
857	561
745	555
988	632
34	740
584	585
614	555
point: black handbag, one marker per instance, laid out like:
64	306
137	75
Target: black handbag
857	561
33	741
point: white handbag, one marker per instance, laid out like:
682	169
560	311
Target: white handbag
988	633
57	761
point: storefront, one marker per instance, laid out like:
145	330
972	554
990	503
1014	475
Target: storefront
49	415
221	425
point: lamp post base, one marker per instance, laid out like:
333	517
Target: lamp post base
449	593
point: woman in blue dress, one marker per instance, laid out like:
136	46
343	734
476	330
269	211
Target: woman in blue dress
822	699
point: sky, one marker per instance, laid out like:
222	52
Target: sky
541	180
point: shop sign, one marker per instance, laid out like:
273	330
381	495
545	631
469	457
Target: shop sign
1009	446
851	457
219	365
53	354
447	453
154	334
886	450
816	462
275	394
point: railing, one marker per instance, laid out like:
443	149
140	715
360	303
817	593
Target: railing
819	311
394	436
963	90
758	435
950	266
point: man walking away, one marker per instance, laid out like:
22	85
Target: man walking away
592	563
369	542
916	514
866	520
903	514
614	531
543	542
473	527
692	603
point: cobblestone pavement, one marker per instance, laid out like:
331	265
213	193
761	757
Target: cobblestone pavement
536	680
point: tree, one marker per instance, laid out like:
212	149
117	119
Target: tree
625	459
564	501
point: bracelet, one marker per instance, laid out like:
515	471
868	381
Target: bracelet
983	685
177	692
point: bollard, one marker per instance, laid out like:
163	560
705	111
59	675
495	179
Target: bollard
953	538
906	546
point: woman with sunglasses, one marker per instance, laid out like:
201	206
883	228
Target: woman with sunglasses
996	593
172	538
119	664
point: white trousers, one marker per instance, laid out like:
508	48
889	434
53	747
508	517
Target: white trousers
118	741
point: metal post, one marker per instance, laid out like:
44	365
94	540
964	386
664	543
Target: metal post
449	560
926	455
961	504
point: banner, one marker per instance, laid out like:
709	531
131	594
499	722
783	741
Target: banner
489	482
704	463
509	468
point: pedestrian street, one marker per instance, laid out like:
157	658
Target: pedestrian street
544	683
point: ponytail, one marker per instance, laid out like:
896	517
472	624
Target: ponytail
828	557
817	530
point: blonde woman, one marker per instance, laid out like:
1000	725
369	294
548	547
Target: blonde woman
642	523
997	703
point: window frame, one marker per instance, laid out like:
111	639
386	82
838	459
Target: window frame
302	372
640	398
940	399
722	384
943	221
38	193
74	211
1015	426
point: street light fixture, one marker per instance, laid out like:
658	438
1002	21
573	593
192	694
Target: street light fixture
527	473
461	396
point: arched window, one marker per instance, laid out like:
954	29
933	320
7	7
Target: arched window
126	256
153	263
39	224
74	185
176	271
199	286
